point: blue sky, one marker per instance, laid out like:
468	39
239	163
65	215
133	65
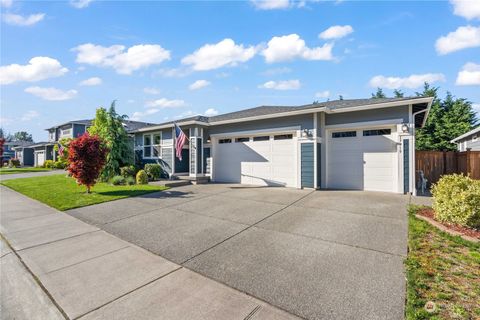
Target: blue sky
61	60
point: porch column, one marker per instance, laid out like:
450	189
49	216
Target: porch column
196	152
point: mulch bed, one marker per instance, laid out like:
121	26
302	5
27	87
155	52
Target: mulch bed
469	232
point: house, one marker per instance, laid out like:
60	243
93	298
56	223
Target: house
36	154
469	140
9	149
359	144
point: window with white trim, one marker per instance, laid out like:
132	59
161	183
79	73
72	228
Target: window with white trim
66	132
152	145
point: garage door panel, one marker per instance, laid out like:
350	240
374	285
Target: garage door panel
363	162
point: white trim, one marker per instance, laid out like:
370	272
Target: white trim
359	125
257	132
323	152
465	135
315	143
381	105
152	145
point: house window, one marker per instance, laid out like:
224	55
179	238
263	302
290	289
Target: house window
242	139
474	138
51	136
376	132
152	145
225	141
261	138
283	137
66	132
344	134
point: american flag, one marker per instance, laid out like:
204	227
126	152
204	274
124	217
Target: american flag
180	139
61	149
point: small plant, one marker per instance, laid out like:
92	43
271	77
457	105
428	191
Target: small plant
48	164
117	180
456	199
59	164
14	163
142	177
130	181
128	171
153	170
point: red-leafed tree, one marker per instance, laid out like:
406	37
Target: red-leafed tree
86	157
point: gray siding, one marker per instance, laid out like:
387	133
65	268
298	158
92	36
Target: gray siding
307	165
305	121
167	154
368	115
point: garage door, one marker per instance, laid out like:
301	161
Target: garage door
40	158
259	160
364	159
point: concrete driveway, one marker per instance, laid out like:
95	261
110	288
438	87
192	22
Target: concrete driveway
315	254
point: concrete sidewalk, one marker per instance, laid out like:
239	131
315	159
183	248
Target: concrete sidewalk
87	273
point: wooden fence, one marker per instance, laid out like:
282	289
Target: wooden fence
434	164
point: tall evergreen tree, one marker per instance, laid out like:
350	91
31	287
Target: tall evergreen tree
108	125
22	136
379	94
398	93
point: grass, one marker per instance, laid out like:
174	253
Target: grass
21	170
441	268
63	193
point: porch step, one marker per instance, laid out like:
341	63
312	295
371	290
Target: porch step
193	180
170	183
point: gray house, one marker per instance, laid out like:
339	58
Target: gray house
361	144
36	154
469	140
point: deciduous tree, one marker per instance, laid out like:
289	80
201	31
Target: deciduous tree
86	157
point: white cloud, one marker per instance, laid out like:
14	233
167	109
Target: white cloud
199	84
29	115
289	47
6	3
411	82
18	20
38	68
151	91
123	61
210	112
52	94
281	85
80	4
469	75
469	9
166	103
214	56
336	32
94	81
462	38
322	94
271	4
138	115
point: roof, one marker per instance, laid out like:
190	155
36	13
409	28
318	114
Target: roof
17	143
465	135
85	122
129	124
327	106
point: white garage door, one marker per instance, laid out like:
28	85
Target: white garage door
364	159
40	158
260	160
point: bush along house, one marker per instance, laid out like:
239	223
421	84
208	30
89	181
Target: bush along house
360	144
36	154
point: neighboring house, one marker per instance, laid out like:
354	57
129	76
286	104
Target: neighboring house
362	144
469	140
36	154
25	154
9	149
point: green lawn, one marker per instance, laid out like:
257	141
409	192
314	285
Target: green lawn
21	170
443	269
63	193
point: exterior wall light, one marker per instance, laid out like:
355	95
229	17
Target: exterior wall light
405	128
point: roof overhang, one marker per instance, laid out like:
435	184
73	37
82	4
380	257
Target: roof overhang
476	130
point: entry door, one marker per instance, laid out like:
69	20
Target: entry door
364	159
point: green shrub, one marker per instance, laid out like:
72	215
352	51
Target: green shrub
117	180
130	181
456	199
14	163
59	164
128	171
142	177
153	170
48	164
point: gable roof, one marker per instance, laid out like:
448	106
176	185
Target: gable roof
129	124
465	135
279	111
